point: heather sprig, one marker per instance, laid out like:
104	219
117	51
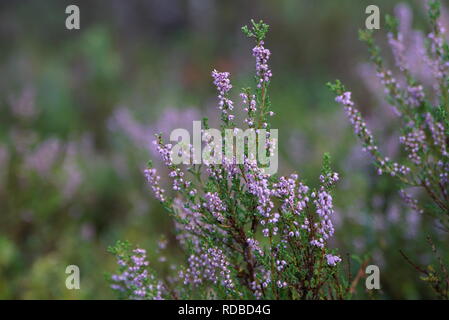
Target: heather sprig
422	112
245	234
424	134
135	280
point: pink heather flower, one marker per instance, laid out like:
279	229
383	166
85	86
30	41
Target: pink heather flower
210	265
332	260
361	130
440	67
330	178
222	82
262	69
345	99
415	95
223	85
411	203
324	208
215	205
438	135
153	180
250	107
414	142
398	49
254	246
136	279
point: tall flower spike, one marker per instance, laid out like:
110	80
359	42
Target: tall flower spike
361	130
153	180
262	69
223	85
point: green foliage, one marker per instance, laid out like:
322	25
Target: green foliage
338	88
256	30
392	24
434	10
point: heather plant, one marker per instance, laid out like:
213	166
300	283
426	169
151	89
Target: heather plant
423	112
244	234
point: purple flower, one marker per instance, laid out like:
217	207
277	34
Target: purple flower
215	205
414	142
153	180
262	69
223	85
332	260
135	278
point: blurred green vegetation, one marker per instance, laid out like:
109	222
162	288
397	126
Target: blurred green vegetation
147	56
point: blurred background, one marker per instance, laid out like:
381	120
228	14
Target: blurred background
79	108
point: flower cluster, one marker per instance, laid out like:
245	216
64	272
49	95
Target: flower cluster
414	143
223	85
134	280
214	205
262	69
153	180
212	265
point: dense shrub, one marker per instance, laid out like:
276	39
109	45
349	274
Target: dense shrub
244	233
